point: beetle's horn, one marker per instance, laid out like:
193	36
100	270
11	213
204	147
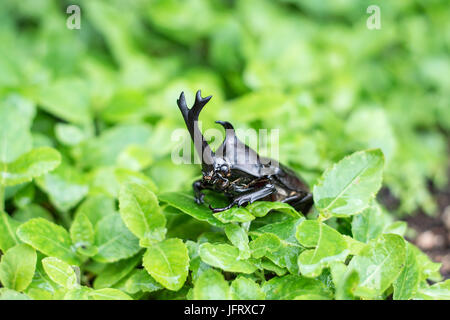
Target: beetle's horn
191	119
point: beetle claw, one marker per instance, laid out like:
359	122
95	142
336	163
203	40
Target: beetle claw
200	199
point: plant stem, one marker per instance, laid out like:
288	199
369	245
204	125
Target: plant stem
2	198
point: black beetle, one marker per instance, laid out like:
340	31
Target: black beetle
238	171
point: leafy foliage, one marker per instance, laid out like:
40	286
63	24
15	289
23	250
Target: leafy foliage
92	207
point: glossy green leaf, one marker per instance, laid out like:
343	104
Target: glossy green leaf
261	208
60	272
113	240
370	223
28	166
238	237
66	98
82	235
211	285
135	157
246	289
69	135
125	176
16	115
8	227
140	280
265	243
347	188
8	294
109	294
48	238
17	267
327	245
225	257
428	268
105	149
379	264
186	204
79	293
32	211
347	285
141	213
285	230
97	207
66	186
116	271
25	196
168	263
235	214
407	283
291	286
438	291
42	287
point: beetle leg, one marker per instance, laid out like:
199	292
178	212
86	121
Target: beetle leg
198	186
302	204
248	197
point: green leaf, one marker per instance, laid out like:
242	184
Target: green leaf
265	243
32	211
225	257
135	157
379	264
398	227
8	294
82	235
267	264
438	291
370	223
347	188
238	237
285	230
42	287
78	293
109	294
286	257
60	272
235	214
428	268
48	238
66	98
68	134
17	267
186	204
28	166
125	176
291	286
407	283
328	244
8	227
211	285
16	115
113	240
25	196
114	272
105	149
347	285
140	280
65	186
246	289
141	213
95	208
168	263
261	208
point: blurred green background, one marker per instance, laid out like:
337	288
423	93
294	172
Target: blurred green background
106	94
